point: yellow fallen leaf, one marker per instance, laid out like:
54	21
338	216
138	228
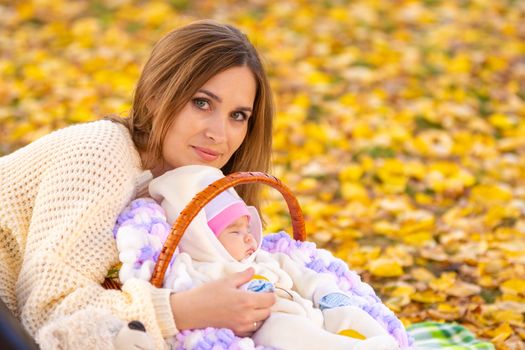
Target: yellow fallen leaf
434	143
307	184
492	266
445	307
384	267
402	256
396	303
360	257
499	316
386	228
514	250
446	311
444	282
501	333
394	184
415	169
521	333
351	173
410	226
497	213
403	290
356	261
462	289
509	305
316	77
354	192
490	194
421	274
424	199
502	121
460	64
418	238
347	233
429	297
513	286
512	298
436	253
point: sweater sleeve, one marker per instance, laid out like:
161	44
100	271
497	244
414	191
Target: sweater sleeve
83	185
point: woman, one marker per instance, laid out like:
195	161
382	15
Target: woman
202	98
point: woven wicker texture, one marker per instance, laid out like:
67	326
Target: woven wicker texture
204	197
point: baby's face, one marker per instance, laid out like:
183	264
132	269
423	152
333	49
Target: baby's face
237	239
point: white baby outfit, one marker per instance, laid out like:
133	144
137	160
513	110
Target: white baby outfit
295	322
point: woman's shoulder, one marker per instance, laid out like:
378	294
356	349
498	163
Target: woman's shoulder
102	132
94	144
102	138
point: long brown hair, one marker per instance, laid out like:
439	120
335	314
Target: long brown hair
181	63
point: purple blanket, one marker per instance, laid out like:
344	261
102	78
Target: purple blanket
146	215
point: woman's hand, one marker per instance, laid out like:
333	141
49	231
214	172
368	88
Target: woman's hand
221	304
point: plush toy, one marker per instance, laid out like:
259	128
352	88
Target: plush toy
93	328
133	336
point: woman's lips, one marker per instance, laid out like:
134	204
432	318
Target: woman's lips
206	154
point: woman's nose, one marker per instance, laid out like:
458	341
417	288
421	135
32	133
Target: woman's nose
216	128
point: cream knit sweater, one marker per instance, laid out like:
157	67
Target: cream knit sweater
59	200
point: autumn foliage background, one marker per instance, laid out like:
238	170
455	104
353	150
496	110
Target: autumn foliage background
400	127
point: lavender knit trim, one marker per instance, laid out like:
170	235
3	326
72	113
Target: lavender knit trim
145	214
348	280
213	339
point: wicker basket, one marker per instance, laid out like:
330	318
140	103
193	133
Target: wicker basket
204	197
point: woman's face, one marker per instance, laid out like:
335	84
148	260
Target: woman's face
213	124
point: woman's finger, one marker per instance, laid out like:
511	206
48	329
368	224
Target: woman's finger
247	330
240	278
260	316
262	300
221	304
252	317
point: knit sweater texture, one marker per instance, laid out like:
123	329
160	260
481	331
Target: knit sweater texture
60	199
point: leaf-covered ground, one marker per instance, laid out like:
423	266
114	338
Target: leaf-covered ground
400	127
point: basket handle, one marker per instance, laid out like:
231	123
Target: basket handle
205	196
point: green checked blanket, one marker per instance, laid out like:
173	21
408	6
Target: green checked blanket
449	336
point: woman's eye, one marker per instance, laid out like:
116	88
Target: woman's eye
239	116
201	103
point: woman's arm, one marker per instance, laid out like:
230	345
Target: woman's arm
75	182
83	177
221	304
